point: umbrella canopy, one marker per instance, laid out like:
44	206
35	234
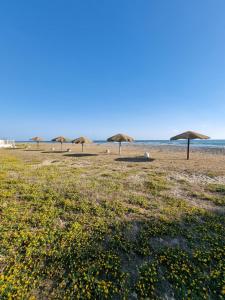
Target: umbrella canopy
82	140
60	139
120	138
37	139
189	135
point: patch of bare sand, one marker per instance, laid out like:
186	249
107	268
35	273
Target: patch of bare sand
47	162
178	192
168	242
136	178
197	178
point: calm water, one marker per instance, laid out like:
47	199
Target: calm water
195	143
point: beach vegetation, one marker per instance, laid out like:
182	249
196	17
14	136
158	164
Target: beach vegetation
78	232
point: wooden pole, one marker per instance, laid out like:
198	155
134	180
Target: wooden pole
119	148
61	146
188	149
82	147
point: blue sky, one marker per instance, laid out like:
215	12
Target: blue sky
148	68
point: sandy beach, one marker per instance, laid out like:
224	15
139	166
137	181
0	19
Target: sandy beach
208	161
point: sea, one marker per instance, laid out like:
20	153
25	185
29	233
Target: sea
219	144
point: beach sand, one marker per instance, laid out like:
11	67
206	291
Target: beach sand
169	158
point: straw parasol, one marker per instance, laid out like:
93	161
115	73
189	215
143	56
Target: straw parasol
82	140
37	139
120	138
189	135
61	140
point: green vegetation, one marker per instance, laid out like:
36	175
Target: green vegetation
213	192
95	232
218	188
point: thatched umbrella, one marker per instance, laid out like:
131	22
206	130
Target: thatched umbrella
37	139
82	140
120	138
61	140
189	135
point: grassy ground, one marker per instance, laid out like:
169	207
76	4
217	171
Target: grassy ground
99	227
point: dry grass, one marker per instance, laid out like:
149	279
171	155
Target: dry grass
98	226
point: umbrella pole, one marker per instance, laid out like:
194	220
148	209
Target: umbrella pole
82	147
188	149
61	146
119	148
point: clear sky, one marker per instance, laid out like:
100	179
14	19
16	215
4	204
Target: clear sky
148	68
